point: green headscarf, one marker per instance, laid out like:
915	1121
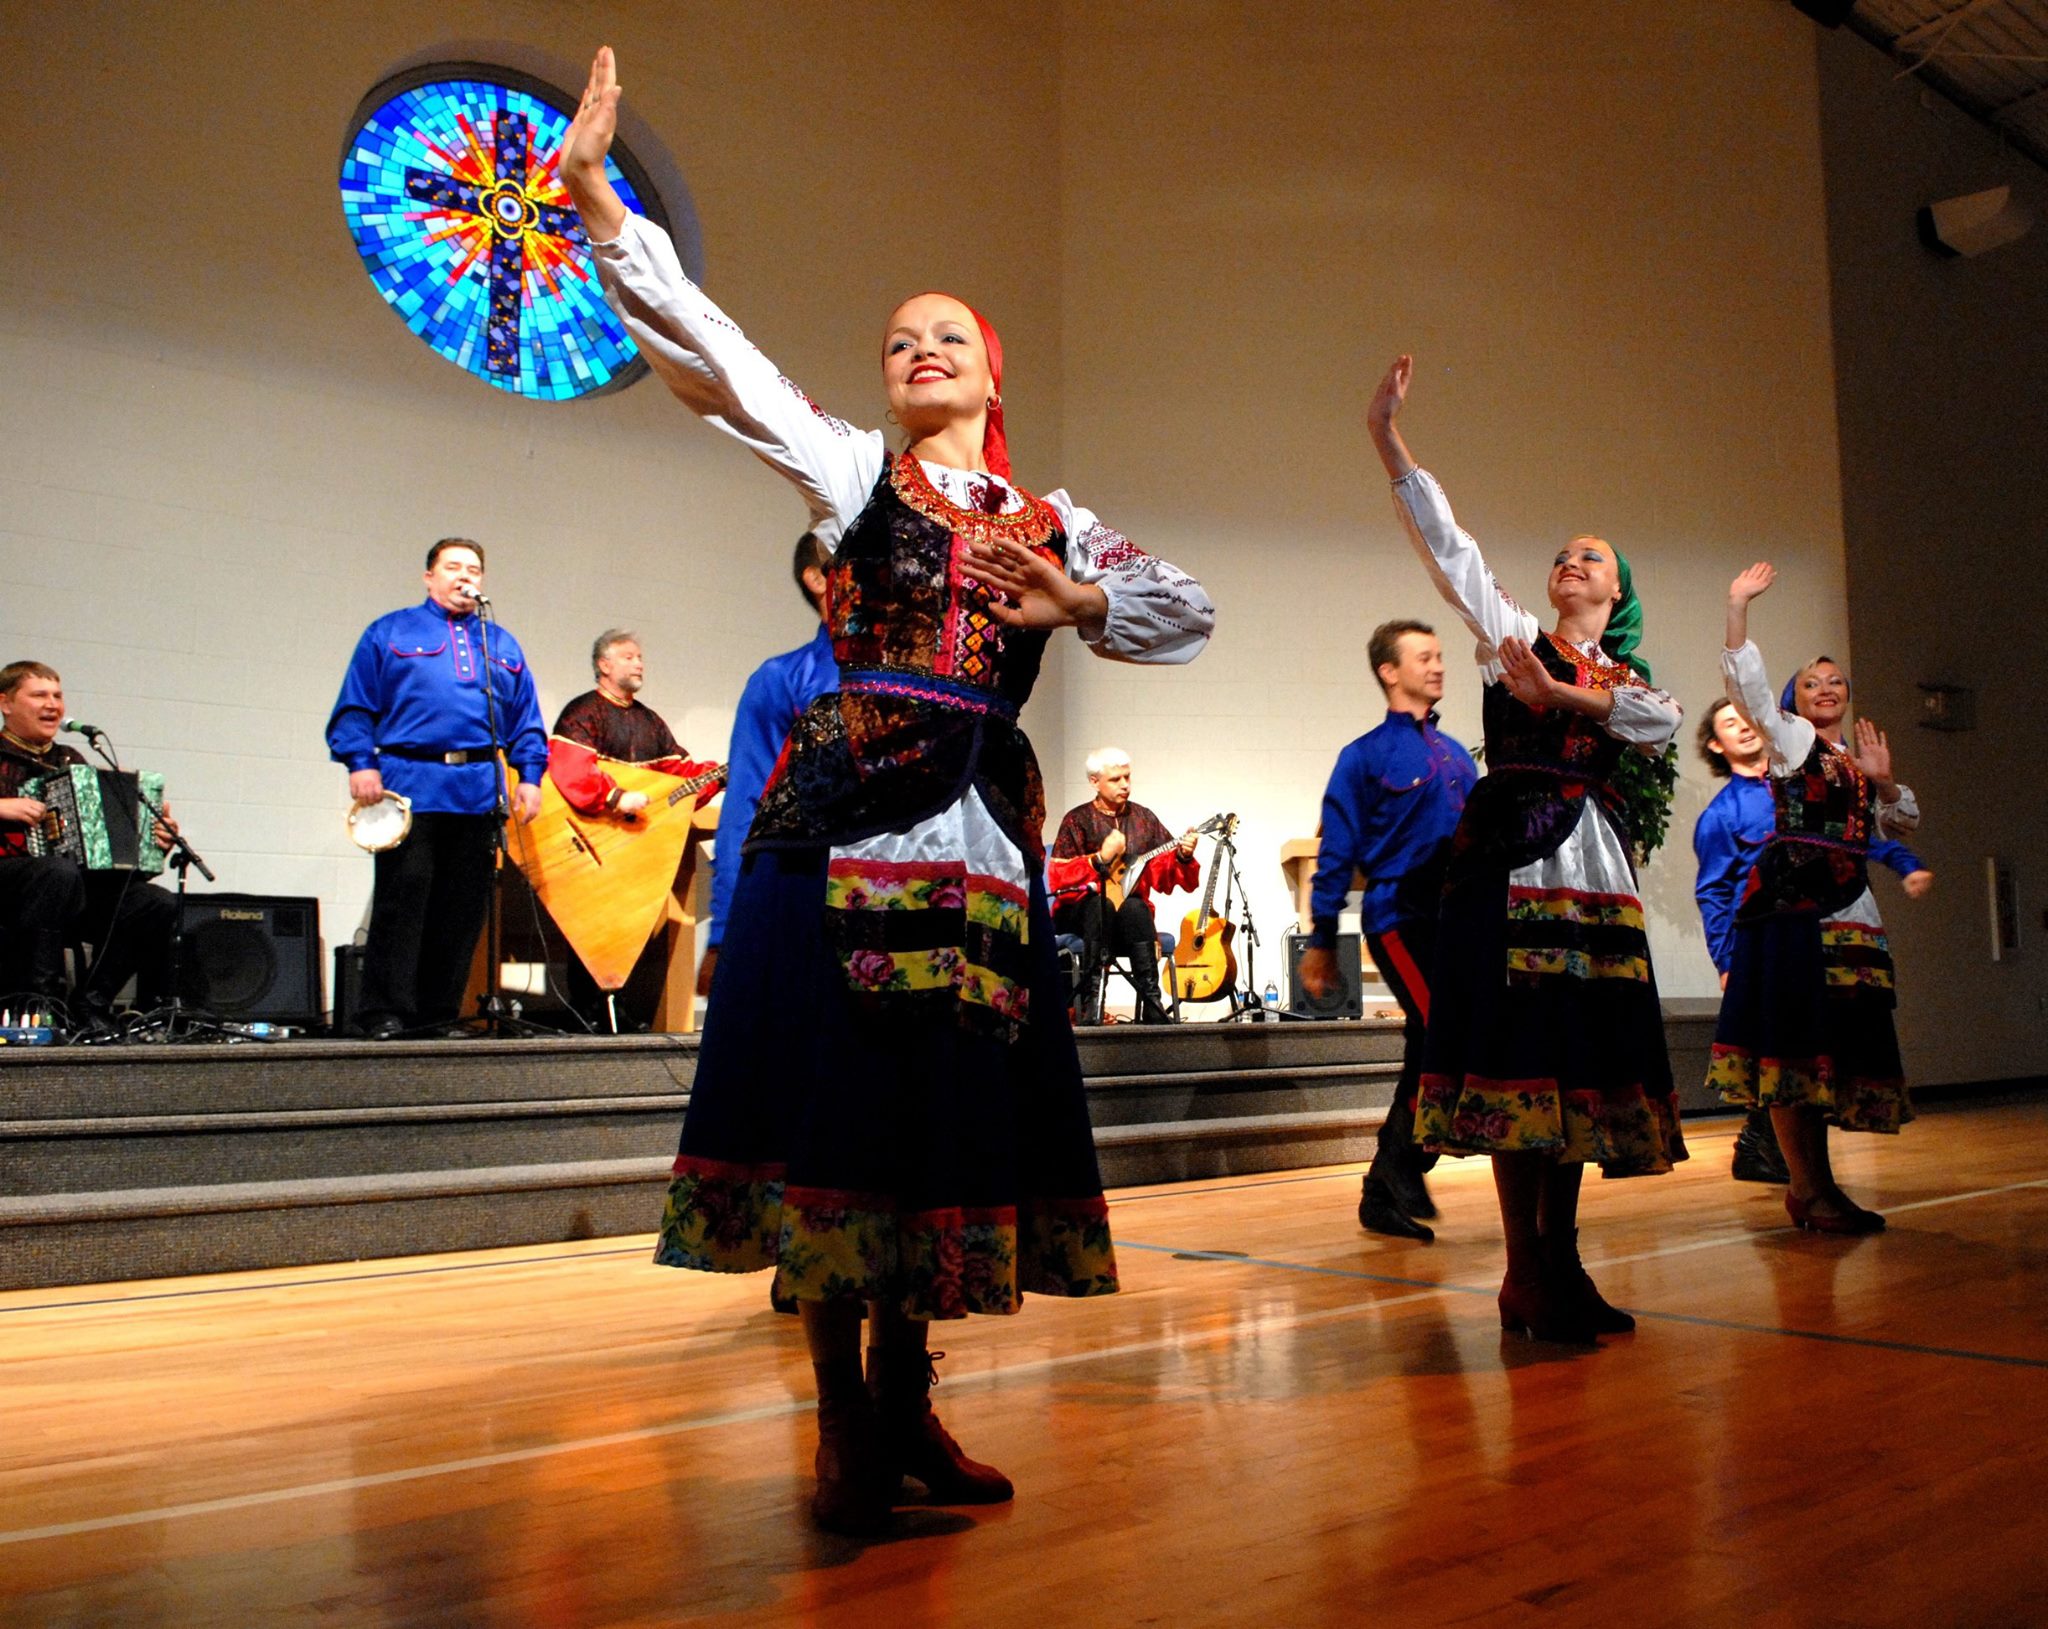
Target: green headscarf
1625	622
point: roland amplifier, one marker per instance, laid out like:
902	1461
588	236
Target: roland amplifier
252	957
1345	1000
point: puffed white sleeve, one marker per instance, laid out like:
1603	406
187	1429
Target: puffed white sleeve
1459	571
1644	716
1157	612
712	369
1788	738
1897	819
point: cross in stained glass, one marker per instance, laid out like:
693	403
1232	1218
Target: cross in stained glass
494	197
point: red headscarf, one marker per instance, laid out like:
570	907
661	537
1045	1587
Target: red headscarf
995	446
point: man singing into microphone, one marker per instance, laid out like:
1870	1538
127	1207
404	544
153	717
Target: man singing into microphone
414	718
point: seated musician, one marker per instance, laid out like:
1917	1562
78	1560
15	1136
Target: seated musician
48	901
612	722
1110	833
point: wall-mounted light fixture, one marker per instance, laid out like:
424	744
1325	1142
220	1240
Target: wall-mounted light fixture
1974	223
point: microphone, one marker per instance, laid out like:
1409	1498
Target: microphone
475	596
73	726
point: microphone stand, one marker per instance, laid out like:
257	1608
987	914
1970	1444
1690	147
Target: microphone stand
501	1015
1241	1005
181	857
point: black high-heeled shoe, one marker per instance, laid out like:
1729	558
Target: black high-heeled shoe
1843	1216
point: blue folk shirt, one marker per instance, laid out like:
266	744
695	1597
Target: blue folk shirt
778	691
1392	803
413	683
1731	832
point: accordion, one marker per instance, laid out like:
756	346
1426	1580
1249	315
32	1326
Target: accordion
96	817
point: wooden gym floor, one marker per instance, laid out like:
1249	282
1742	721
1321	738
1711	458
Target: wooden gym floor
1282	1420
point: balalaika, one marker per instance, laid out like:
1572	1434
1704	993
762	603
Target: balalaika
97	817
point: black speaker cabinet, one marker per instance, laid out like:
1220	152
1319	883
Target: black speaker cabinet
1347	1000
253	956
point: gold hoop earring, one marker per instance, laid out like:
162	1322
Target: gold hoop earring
890	415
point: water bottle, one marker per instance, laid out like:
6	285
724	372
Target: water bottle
1272	999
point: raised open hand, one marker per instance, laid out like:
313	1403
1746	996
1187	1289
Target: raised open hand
1873	752
1527	679
597	118
1391	393
1918	882
1030	591
1751	582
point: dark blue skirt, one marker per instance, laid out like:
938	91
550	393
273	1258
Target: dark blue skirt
1807	1020
879	1148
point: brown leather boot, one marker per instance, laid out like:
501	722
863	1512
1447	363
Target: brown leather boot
914	1443
852	1496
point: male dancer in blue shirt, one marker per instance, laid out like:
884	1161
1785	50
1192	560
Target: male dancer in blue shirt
412	718
1732	830
1393	802
777	692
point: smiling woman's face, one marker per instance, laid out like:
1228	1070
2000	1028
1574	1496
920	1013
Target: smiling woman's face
1584	574
1821	695
934	364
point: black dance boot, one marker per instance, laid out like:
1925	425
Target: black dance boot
1399	1162
1568	1276
914	1443
1145	974
1088	995
853	1487
1380	1212
1757	1155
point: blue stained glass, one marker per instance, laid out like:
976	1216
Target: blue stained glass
450	194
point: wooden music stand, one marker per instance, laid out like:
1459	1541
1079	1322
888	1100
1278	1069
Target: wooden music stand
689	902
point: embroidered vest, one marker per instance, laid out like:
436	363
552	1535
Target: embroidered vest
1817	858
1540	767
929	683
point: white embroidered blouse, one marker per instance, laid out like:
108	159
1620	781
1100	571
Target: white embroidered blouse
1594	858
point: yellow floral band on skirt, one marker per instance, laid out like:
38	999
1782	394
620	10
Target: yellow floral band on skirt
1853	1102
827	1245
1854	955
1557	933
1625	1133
930	927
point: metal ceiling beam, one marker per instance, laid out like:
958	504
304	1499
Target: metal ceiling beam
1947	20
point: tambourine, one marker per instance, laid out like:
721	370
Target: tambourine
380	825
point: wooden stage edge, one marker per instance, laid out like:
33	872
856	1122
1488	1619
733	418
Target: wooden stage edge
1280	1419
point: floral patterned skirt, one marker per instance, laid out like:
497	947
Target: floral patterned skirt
874	1150
1804	1021
1565	1060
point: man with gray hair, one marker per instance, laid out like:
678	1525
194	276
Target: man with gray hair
1111	831
612	722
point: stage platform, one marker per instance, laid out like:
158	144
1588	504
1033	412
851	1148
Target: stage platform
146	1161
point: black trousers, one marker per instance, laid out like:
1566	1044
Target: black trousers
1403	955
1106	931
635	1001
432	894
47	902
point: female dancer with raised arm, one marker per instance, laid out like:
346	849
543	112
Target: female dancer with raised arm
888	1106
1546	1043
1806	1023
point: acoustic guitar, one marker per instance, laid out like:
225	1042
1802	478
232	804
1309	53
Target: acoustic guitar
1204	964
605	878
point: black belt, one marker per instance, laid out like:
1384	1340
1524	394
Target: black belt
426	755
